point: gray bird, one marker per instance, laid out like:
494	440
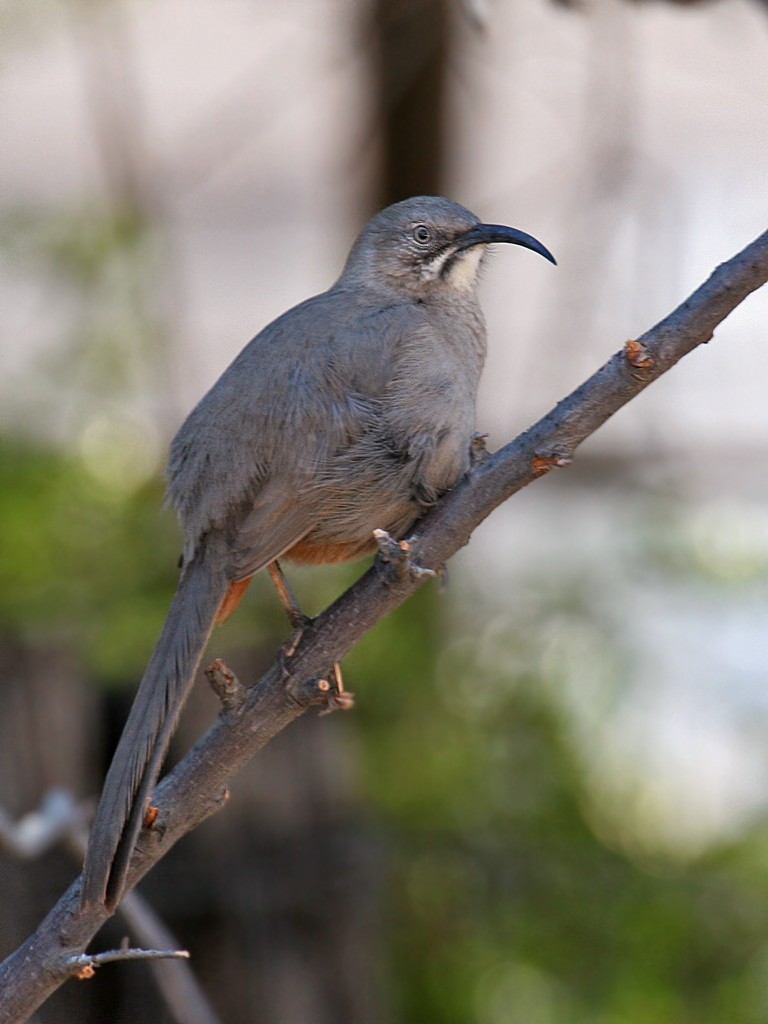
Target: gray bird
351	412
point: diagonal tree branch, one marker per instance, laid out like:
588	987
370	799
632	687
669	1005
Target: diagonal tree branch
197	786
62	819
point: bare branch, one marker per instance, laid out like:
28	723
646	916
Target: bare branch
61	818
186	1001
84	965
225	685
58	817
197	786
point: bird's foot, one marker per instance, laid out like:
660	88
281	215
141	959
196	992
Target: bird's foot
397	558
289	647
326	693
478	453
338	698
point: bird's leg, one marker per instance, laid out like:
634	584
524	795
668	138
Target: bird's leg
342	698
296	616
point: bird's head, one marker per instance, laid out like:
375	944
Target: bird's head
427	245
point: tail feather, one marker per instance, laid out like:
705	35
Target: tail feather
148	730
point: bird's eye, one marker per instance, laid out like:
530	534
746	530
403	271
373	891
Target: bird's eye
422	234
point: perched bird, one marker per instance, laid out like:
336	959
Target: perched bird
351	412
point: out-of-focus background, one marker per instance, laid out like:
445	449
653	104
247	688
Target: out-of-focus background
550	805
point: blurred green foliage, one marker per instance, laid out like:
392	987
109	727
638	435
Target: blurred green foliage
509	901
81	563
504	905
508	906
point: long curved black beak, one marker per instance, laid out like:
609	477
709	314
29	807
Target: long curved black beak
484	234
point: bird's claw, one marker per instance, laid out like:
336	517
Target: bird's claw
337	701
338	698
289	647
478	452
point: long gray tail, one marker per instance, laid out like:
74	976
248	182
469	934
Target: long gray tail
147	733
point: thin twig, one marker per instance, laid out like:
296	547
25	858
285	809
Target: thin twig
84	965
61	818
183	995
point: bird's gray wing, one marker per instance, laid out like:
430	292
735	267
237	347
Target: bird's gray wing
250	459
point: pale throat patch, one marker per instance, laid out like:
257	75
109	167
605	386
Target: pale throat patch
463	272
